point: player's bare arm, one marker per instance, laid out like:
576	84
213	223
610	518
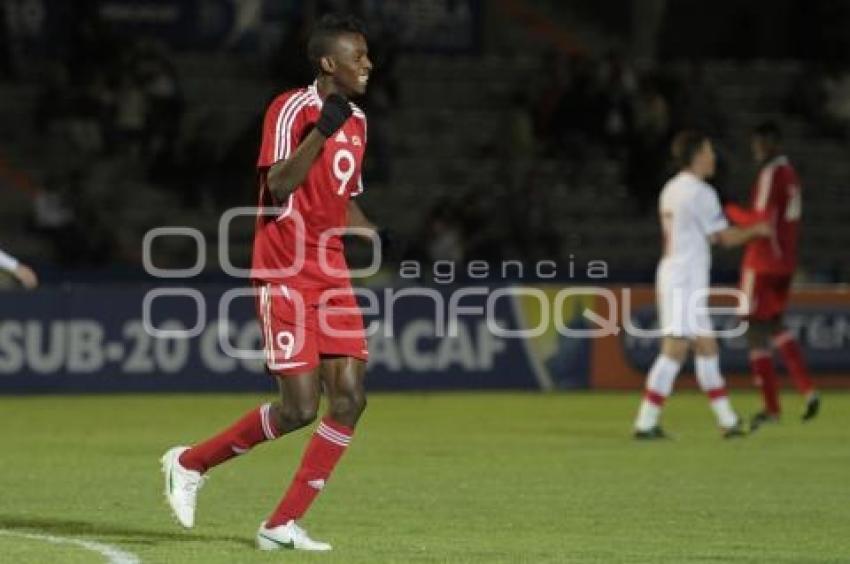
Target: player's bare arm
285	176
23	273
736	236
358	219
26	276
742	216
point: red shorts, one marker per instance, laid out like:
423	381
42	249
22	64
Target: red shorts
301	325
767	294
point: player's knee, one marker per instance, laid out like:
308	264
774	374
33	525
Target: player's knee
349	404
676	349
297	416
306	415
706	347
360	402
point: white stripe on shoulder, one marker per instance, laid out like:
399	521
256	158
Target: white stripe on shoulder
284	123
280	116
288	148
765	182
288	123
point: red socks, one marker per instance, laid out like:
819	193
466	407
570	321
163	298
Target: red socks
254	428
792	355
323	452
320	457
761	363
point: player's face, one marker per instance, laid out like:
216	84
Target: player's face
759	149
706	159
351	56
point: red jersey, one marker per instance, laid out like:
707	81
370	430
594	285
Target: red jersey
776	198
302	245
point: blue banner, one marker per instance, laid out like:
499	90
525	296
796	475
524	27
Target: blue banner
823	332
99	339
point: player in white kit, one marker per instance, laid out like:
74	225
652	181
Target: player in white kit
691	220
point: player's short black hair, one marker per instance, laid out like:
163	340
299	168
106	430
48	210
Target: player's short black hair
686	144
326	30
769	131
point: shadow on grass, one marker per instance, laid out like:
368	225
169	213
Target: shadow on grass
130	535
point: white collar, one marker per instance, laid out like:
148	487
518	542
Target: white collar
313	91
779	160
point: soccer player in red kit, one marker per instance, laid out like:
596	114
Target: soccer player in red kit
309	168
766	273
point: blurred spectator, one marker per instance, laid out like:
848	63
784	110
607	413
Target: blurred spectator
551	92
836	88
5	54
74	222
651	114
441	238
131	112
445	239
697	104
617	84
164	100
806	97
522	142
648	150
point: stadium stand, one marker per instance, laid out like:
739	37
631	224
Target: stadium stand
533	151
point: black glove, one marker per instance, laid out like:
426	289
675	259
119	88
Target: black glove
335	111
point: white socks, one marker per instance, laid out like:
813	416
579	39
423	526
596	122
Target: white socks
712	383
659	384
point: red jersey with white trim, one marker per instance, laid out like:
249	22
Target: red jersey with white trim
776	198
302	245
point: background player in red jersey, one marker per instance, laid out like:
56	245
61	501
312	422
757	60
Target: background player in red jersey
309	168
767	270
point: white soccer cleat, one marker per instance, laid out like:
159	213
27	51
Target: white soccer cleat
289	536
181	486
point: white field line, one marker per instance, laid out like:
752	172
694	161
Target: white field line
112	554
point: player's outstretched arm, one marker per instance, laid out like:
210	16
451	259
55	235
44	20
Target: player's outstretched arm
356	217
285	176
391	247
26	276
19	270
743	217
737	236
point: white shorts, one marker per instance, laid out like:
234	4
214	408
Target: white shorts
682	296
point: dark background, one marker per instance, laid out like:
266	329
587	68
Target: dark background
498	130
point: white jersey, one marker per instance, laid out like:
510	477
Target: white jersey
690	214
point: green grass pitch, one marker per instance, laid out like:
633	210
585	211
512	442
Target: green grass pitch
437	478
